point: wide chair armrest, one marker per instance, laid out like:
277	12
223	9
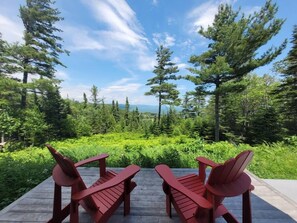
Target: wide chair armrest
91	159
203	162
127	174
206	161
166	174
237	187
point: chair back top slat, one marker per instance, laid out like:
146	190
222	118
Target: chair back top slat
65	163
68	168
230	170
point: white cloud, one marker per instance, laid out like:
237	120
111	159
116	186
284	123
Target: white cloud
251	10
145	62
163	39
62	75
12	31
20	75
120	19
181	66
178	63
203	15
119	90
127	87
119	36
81	39
74	91
155	2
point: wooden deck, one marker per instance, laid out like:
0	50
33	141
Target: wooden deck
147	202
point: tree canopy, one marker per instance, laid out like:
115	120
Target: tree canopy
235	41
165	70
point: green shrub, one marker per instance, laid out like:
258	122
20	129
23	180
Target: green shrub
170	156
23	169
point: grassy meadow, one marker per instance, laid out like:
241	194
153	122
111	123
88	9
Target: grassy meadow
22	170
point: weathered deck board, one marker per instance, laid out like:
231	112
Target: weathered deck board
148	202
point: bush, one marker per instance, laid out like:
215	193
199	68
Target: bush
171	157
21	170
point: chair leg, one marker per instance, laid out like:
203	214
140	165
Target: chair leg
126	204
168	205
246	207
211	216
126	197
74	212
230	218
58	213
57	205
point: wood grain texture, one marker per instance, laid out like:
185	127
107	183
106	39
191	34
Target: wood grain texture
148	202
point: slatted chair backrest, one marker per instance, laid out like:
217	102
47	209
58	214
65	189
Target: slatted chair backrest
68	168
65	163
231	170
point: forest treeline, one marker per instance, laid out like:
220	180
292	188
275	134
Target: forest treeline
229	101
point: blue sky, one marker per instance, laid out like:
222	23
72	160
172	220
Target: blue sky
113	42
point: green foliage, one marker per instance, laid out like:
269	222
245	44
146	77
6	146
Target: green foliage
22	170
34	128
265	126
160	87
233	50
251	115
9	93
56	111
42	45
287	90
170	156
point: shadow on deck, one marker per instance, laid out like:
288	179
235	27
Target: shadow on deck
148	202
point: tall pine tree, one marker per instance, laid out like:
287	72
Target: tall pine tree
40	52
233	50
287	91
165	70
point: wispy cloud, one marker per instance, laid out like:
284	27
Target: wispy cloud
203	15
119	19
251	10
74	91
127	87
178	62
163	39
145	62
119	90
62	75
12	31
155	2
120	36
81	38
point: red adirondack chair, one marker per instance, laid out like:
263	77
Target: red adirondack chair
197	199
101	199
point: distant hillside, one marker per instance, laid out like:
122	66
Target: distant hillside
148	108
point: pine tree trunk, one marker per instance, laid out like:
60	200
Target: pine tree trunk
24	90
217	116
159	111
2	137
